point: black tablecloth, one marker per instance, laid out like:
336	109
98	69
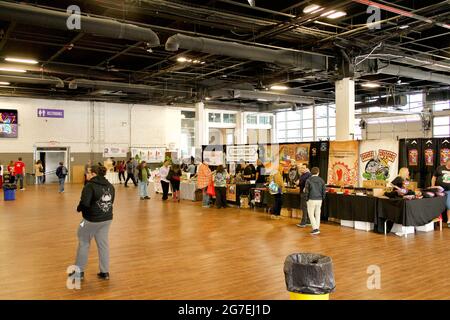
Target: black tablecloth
242	189
345	207
290	200
411	212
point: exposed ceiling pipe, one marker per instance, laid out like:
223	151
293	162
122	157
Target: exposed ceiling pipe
119	86
388	102
401	71
57	82
402	13
262	96
46	18
300	60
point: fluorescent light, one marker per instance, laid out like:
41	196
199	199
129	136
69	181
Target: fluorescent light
358	102
13	70
327	13
404	27
311	8
336	15
18	60
277	87
182	59
4	83
318	10
370	85
262	100
207	98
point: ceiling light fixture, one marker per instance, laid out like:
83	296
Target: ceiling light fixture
405	26
18	60
370	85
207	98
338	14
262	100
13	70
4	83
311	8
182	59
325	14
278	87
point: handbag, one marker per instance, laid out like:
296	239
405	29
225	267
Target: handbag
210	190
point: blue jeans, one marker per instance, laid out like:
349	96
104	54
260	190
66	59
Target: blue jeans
205	198
61	184
19	178
143	190
447	202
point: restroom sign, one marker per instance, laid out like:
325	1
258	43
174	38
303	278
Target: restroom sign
50	113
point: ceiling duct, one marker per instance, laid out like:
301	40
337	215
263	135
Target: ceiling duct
57	82
52	19
286	58
259	95
119	86
387	102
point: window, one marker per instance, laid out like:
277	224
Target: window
441	126
229	118
215	117
441	105
252	119
187	143
265	120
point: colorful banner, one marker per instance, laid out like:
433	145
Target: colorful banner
293	153
114	152
343	163
149	155
378	160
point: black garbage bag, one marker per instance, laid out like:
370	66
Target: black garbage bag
9	186
309	273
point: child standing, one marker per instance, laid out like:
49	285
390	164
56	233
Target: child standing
315	192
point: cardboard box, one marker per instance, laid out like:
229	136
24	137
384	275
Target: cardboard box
378	192
412	185
426	228
398	228
348	223
365	226
370	184
286	212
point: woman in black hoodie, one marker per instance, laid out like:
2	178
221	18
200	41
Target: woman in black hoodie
96	205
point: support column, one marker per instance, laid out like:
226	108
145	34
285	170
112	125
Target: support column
201	129
345	109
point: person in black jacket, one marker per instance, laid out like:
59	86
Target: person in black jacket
304	176
96	206
315	191
61	172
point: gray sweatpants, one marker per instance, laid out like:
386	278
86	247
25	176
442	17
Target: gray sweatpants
98	230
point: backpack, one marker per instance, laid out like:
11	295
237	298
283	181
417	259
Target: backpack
274	188
64	171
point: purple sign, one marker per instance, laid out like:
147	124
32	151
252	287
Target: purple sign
50	113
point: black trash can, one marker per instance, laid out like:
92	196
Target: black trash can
309	276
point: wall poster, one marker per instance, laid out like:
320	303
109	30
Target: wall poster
293	153
343	163
247	153
114	152
149	155
378	160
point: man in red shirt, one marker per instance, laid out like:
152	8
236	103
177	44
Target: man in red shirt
19	171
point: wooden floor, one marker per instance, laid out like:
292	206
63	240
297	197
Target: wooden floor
183	251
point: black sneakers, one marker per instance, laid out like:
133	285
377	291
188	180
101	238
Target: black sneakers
103	275
315	231
147	198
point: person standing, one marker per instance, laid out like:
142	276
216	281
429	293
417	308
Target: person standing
315	193
39	172
19	172
96	206
304	176
441	178
61	173
130	173
12	178
175	180
276	188
87	168
260	174
121	170
204	178
165	183
220	186
143	175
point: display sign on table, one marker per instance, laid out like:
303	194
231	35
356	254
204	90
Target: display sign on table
117	152
149	155
378	160
293	153
50	113
8	123
343	163
247	153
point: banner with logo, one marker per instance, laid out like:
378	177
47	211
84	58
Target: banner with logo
247	153
343	163
115	152
293	153
378	160
149	155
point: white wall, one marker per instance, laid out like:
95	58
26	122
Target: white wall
89	126
394	130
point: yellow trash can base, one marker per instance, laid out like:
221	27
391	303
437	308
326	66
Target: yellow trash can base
302	296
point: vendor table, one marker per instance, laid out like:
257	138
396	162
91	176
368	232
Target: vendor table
291	199
235	191
187	190
354	208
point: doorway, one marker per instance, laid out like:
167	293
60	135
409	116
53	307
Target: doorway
51	157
